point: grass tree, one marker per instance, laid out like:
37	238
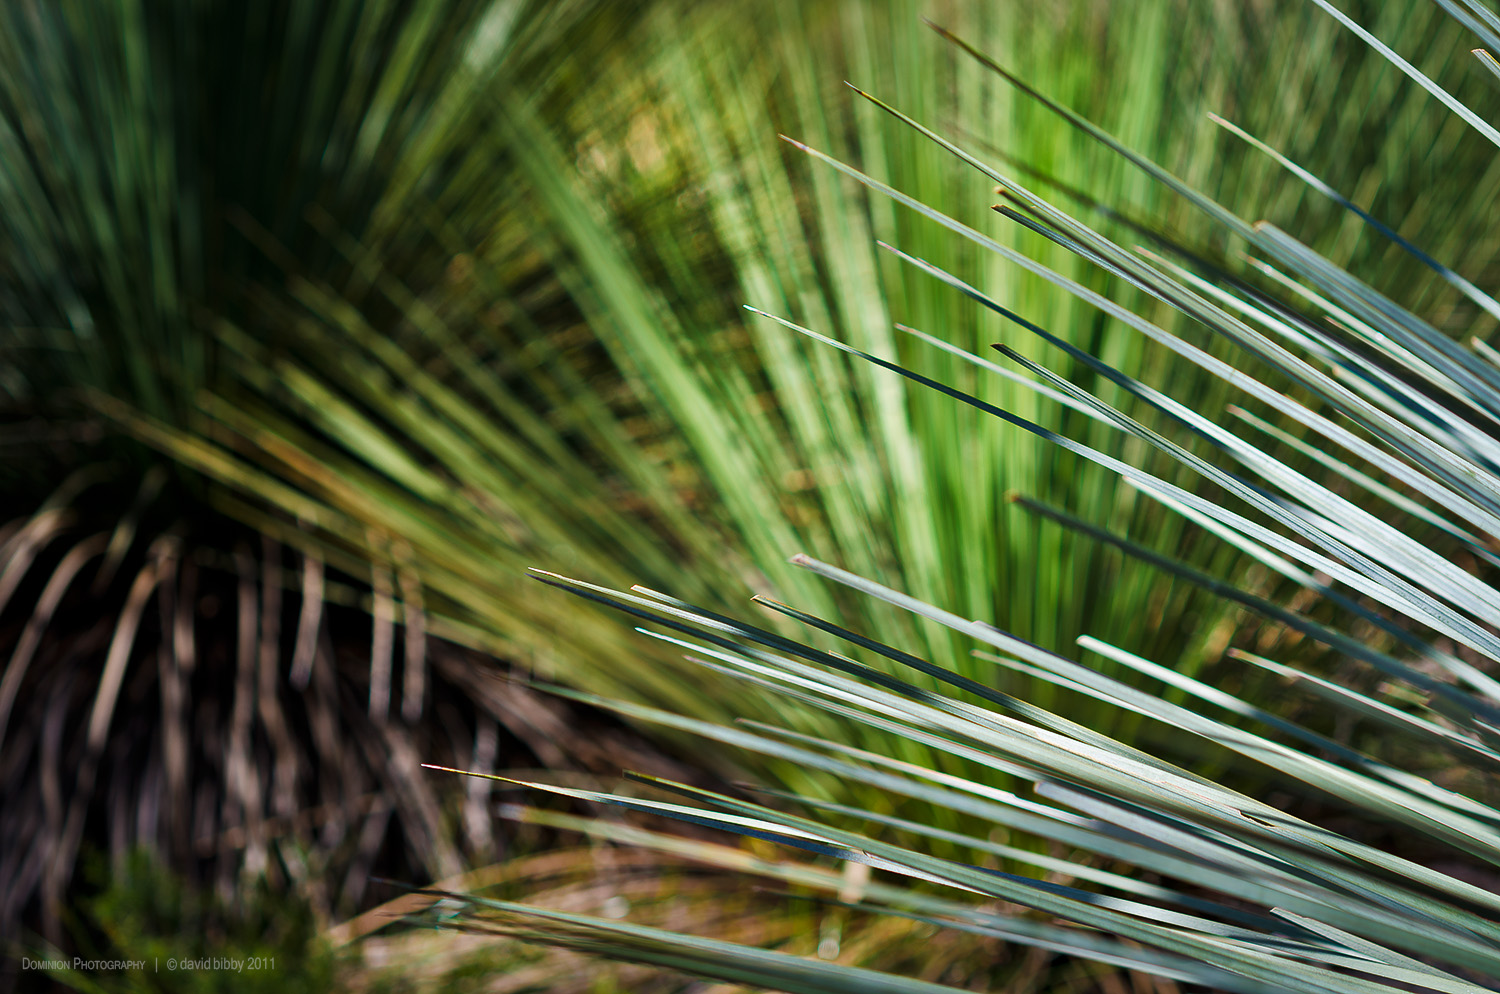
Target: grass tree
432	293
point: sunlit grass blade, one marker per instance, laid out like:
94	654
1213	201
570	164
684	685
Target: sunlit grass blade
1469	117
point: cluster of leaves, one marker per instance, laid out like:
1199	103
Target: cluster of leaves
1163	870
432	292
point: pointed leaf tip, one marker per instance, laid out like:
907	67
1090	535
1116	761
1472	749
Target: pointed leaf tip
482	776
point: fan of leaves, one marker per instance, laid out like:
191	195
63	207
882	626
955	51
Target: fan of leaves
1164	870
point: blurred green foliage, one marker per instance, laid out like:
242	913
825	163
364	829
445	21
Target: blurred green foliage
190	940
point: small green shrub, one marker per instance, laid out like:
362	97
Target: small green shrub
189	941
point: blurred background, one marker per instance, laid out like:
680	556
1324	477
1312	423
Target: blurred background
323	322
